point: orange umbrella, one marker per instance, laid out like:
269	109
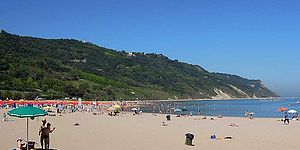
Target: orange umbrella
10	102
281	109
20	102
86	102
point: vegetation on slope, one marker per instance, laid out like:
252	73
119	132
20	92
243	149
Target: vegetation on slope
57	68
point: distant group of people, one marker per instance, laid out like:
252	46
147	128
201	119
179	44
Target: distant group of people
115	113
249	115
44	132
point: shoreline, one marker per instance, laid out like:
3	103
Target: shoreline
184	99
178	100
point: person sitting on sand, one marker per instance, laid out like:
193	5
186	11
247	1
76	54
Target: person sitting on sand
116	113
199	113
46	132
228	138
20	144
164	124
233	125
251	115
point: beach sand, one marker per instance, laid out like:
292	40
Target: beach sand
145	132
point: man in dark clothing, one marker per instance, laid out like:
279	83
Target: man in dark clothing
286	118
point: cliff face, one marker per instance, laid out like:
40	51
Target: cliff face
56	68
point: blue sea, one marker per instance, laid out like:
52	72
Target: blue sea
266	108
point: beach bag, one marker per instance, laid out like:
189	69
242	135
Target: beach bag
213	137
189	138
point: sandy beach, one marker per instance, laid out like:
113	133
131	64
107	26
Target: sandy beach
145	132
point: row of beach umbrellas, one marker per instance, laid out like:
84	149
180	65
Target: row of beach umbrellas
49	102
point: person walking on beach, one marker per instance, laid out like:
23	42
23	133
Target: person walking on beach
41	132
286	119
246	114
4	117
47	131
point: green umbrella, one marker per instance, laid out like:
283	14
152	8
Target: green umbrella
27	112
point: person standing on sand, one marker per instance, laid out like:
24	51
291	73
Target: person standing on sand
47	131
246	113
41	133
286	119
4	117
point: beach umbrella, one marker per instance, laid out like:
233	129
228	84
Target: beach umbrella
10	102
177	110
134	109
111	109
281	109
86	102
27	112
117	106
20	102
47	108
292	111
184	109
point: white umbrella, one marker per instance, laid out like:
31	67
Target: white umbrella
134	109
177	110
292	111
111	109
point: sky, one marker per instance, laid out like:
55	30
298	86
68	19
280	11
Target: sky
256	39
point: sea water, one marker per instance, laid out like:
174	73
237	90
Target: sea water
234	108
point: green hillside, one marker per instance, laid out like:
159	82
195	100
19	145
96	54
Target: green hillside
58	68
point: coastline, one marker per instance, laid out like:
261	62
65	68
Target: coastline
183	100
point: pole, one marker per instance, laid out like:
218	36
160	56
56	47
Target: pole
27	133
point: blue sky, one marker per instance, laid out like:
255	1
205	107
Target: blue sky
256	39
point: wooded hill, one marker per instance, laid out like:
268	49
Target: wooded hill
58	68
